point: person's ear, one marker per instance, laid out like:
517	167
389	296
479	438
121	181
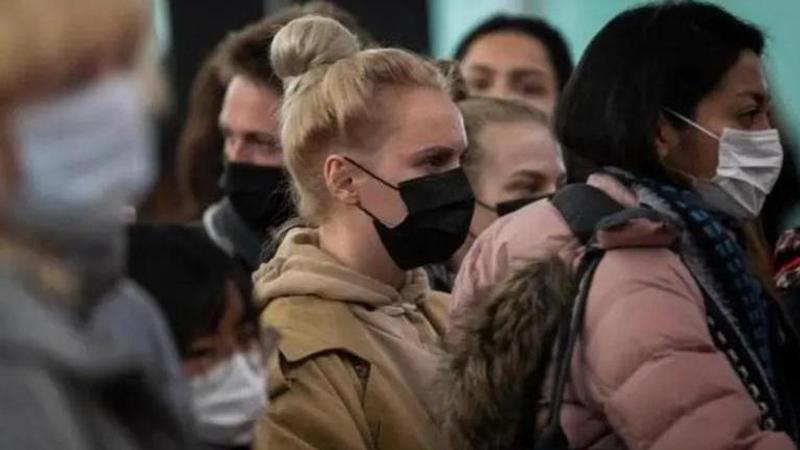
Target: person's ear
339	179
667	137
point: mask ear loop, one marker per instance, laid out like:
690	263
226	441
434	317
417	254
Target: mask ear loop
485	206
372	216
381	180
370	173
692	123
691	178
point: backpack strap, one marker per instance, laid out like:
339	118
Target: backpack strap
584	209
552	436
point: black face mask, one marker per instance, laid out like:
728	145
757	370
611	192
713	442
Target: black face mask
258	194
510	206
440	208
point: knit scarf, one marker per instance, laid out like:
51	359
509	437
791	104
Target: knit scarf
718	238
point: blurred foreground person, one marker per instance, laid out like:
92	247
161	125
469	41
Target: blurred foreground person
206	299
373	144
625	311
76	149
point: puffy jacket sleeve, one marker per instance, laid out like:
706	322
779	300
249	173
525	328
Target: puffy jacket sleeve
649	365
314	404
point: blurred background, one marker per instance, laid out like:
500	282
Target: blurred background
187	31
579	20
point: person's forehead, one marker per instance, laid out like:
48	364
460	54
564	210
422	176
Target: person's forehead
245	93
424	114
507	49
521	144
745	79
514	133
249	104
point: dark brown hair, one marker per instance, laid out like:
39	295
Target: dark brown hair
661	55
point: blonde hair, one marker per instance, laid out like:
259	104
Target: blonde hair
478	112
48	44
331	87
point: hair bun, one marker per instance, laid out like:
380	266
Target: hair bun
310	42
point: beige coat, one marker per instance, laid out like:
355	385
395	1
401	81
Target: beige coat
356	358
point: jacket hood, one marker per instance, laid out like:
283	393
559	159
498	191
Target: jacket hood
539	231
301	268
514	288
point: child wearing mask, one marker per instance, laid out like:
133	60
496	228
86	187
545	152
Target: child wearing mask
373	144
206	299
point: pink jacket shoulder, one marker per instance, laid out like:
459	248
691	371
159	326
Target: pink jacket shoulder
648	365
508	245
646	371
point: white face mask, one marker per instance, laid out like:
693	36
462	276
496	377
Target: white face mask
229	400
749	165
84	157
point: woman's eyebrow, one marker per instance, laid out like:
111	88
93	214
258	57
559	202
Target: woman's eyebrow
523	176
527	72
760	97
434	150
478	67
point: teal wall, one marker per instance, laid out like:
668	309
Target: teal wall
451	19
579	20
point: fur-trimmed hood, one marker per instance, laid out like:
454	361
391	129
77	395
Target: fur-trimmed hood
515	286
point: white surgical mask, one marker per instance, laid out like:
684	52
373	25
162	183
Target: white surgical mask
229	399
749	165
84	156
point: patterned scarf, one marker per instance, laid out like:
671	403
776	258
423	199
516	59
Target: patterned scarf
719	240
787	258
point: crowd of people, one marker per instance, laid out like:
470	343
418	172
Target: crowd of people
387	251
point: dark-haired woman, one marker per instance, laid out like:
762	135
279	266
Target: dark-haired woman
518	58
681	345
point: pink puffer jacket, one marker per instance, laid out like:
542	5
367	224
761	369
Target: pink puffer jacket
645	373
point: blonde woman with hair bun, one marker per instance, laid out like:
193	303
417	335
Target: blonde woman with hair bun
372	141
